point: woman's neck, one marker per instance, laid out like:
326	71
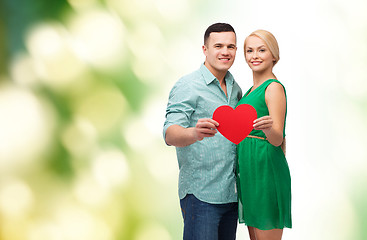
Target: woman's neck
260	78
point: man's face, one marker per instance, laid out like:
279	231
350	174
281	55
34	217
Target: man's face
220	51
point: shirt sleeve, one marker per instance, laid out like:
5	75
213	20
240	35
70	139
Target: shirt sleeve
181	105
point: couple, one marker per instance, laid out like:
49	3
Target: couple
220	182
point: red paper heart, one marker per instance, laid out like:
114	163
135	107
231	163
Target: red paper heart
235	124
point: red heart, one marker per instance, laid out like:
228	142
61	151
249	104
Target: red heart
235	124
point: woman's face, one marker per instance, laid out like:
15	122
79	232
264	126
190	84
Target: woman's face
258	55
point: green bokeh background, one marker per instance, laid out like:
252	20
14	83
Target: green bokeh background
83	90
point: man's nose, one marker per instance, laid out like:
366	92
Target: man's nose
225	51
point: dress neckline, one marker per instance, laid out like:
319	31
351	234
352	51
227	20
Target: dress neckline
251	91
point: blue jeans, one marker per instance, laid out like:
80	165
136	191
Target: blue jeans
205	221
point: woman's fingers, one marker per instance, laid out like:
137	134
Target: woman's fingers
263	123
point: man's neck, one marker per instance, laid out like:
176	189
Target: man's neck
220	75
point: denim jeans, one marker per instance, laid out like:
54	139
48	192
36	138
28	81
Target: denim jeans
205	221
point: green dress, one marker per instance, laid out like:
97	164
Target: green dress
263	178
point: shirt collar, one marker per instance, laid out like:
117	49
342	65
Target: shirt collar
209	77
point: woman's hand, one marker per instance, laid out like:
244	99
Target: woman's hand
264	123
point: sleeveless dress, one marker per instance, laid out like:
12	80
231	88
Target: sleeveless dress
263	178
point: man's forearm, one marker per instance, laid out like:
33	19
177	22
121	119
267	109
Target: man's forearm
179	136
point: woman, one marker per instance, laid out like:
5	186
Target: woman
263	178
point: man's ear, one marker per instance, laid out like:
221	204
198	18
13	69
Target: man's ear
204	49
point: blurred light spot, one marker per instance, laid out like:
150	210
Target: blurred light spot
164	166
172	10
190	57
16	198
103	107
146	42
89	192
136	134
46	40
144	35
23	70
132	9
99	39
148	71
74	223
152	231
110	168
153	119
44	230
80	4
25	128
80	137
154	115
56	63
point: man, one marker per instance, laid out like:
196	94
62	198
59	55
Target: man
206	159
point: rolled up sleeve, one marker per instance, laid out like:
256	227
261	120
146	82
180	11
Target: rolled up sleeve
180	107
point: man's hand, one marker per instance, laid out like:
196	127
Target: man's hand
181	137
205	127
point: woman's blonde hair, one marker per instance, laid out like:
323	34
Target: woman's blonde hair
269	40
